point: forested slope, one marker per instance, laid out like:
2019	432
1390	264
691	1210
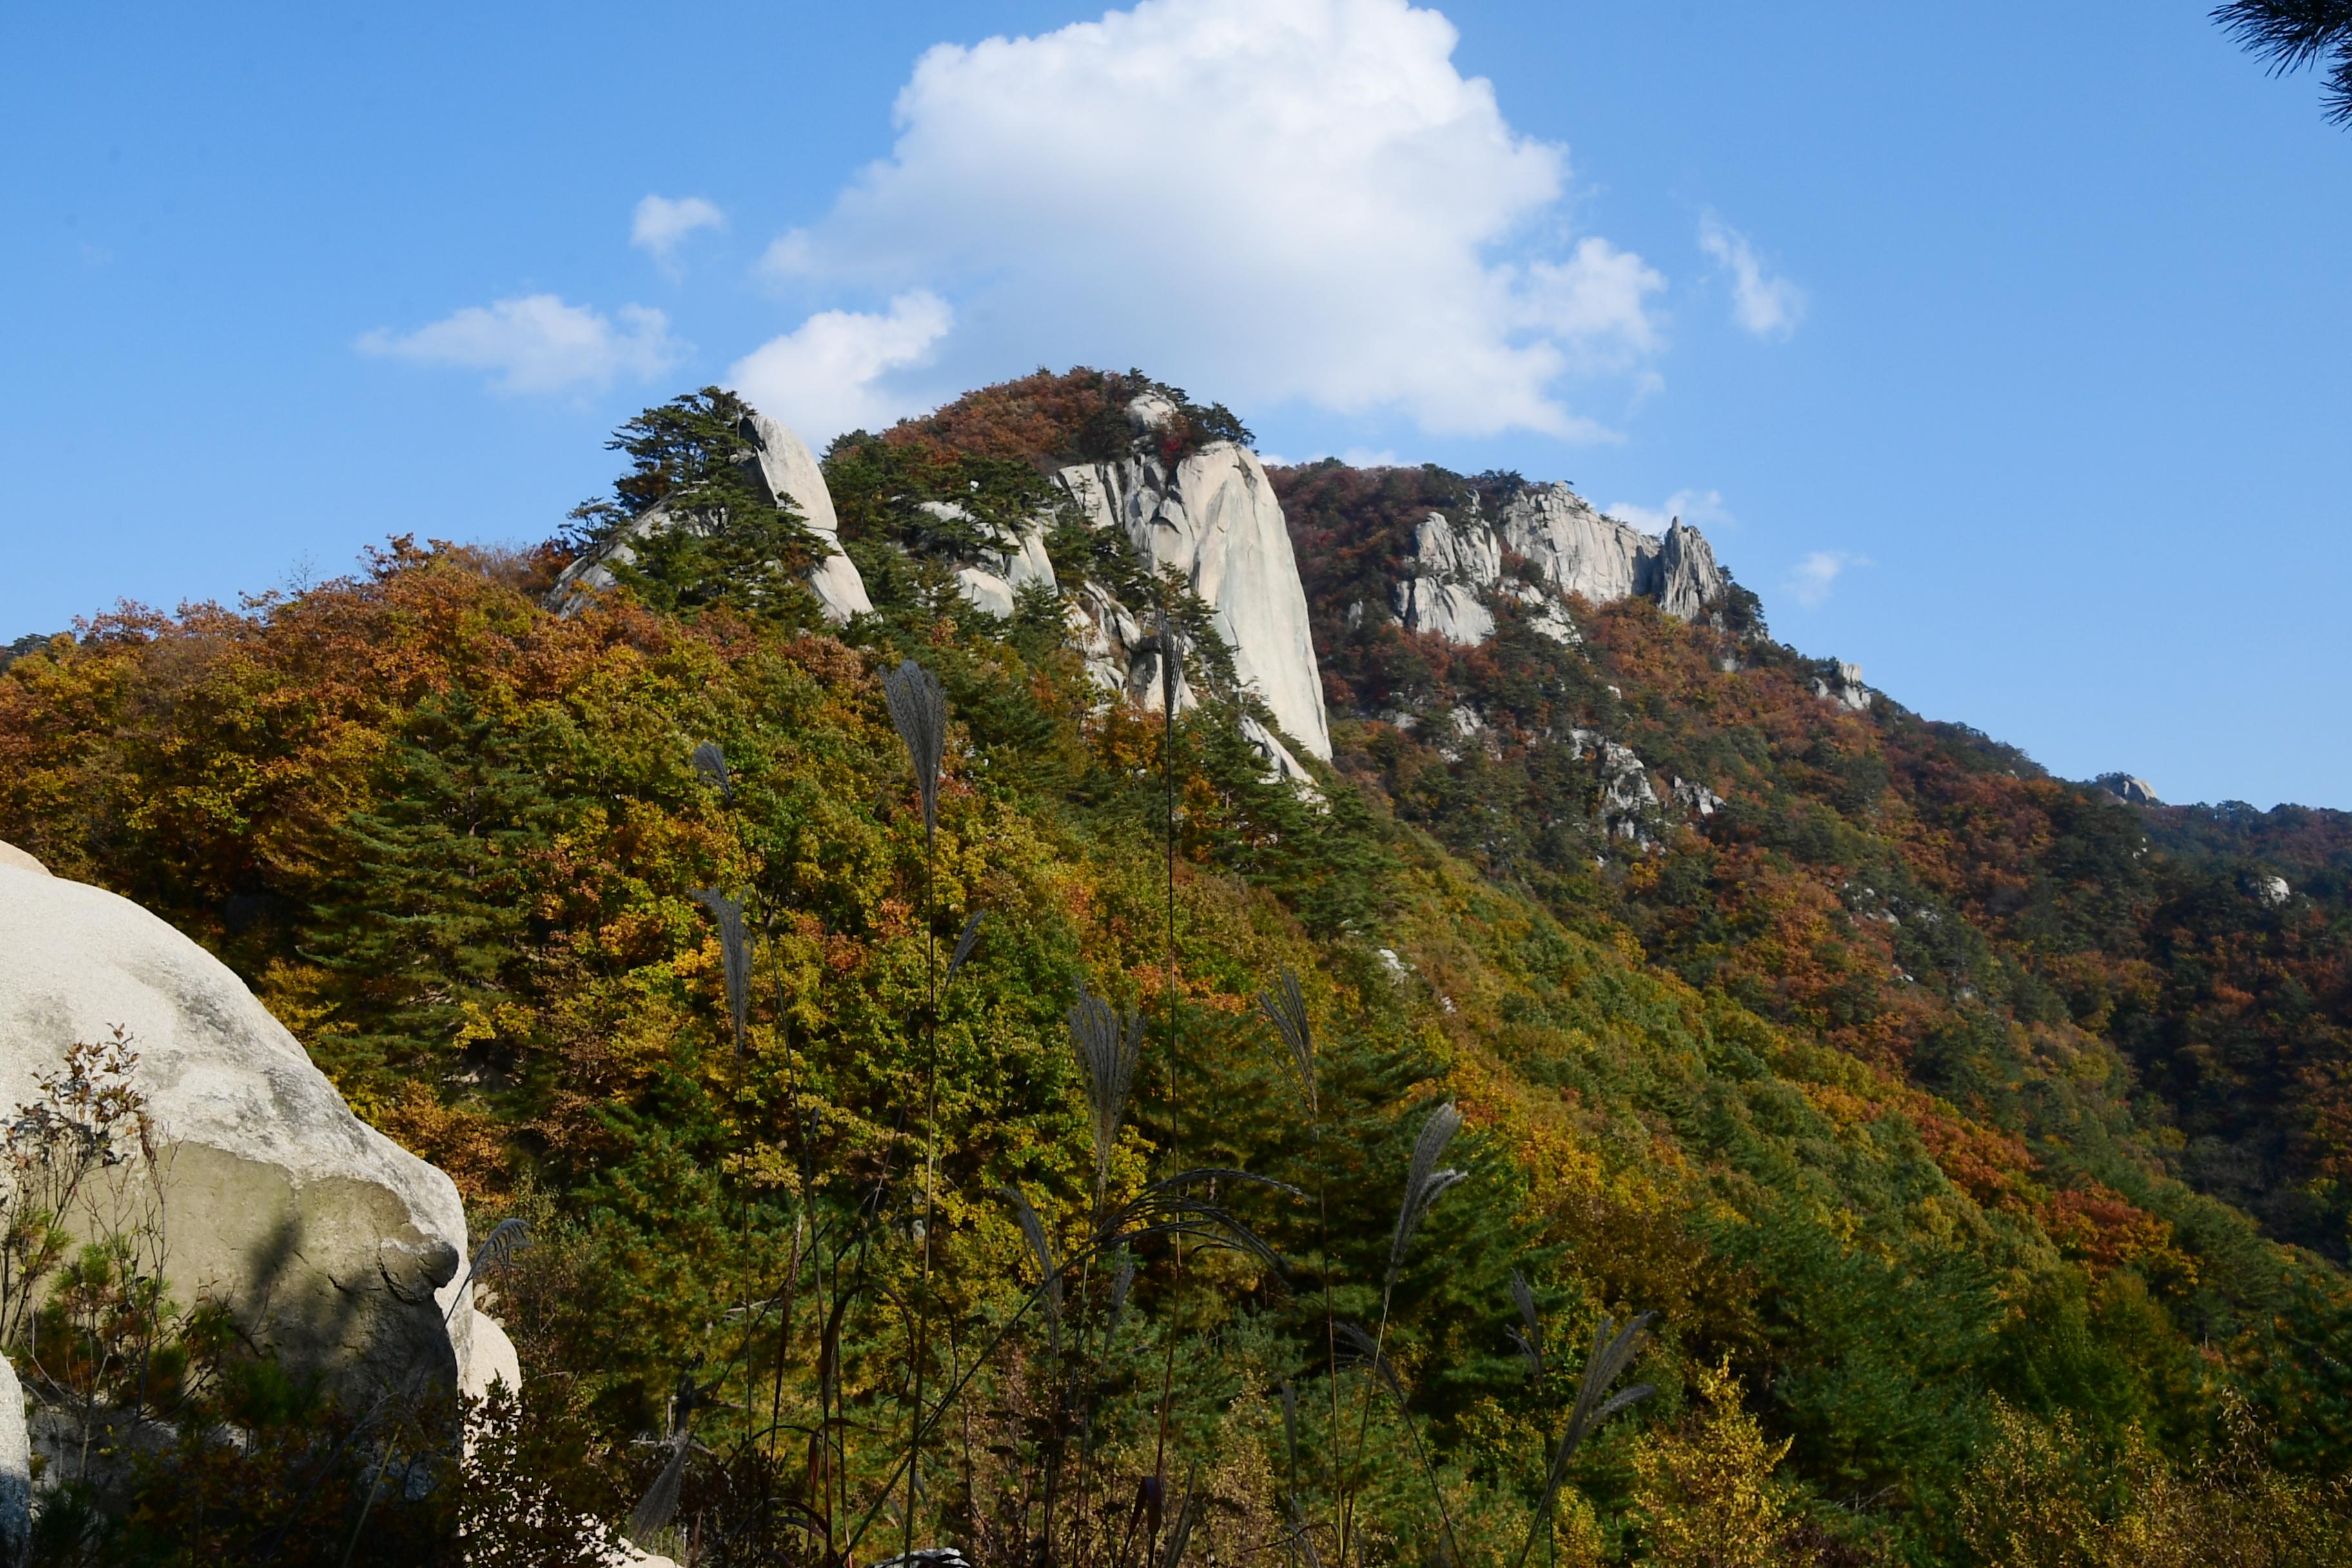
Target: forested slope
1977	1139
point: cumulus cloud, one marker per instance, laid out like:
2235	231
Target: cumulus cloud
835	371
660	223
1811	581
539	344
1700	508
1767	306
1265	200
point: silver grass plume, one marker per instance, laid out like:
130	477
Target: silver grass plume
494	1256
659	1505
655	1508
1613	1351
1286	1009
1425	1182
712	763
1530	1340
964	944
1033	1230
920	708
1108	1045
731	946
1171	664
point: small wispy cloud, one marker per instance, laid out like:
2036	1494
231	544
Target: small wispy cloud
835	371
660	223
1765	305
538	345
1700	508
1809	581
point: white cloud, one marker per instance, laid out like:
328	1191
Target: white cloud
1765	305
538	343
1263	200
1810	583
660	223
1700	508
833	371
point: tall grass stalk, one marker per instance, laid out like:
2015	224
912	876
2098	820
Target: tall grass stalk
1425	1184
918	708
1283	1006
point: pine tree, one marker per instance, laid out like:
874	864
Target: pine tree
722	540
430	920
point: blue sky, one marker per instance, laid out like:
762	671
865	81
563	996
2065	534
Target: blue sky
2005	349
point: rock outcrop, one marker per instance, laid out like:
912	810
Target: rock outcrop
1451	572
331	1242
785	472
10	855
2127	789
1846	691
16	1471
997	578
1213	519
1629	804
1455	572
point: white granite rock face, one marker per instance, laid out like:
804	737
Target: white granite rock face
1454	573
2271	891
12	856
1451	572
994	581
1688	579
1629	804
1575	549
1214	519
16	1471
1847	690
1695	798
788	472
2124	787
493	1359
334	1243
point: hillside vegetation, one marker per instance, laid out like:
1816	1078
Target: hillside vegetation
1978	1142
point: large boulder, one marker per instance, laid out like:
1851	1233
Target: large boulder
16	1470
330	1241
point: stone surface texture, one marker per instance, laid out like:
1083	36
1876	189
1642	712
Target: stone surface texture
994	581
2124	787
1454	573
16	1471
786	470
1213	518
1629	804
491	1359
16	858
1695	798
331	1241
1847	690
1449	574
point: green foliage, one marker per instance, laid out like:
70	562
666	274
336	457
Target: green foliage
697	526
1887	1085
